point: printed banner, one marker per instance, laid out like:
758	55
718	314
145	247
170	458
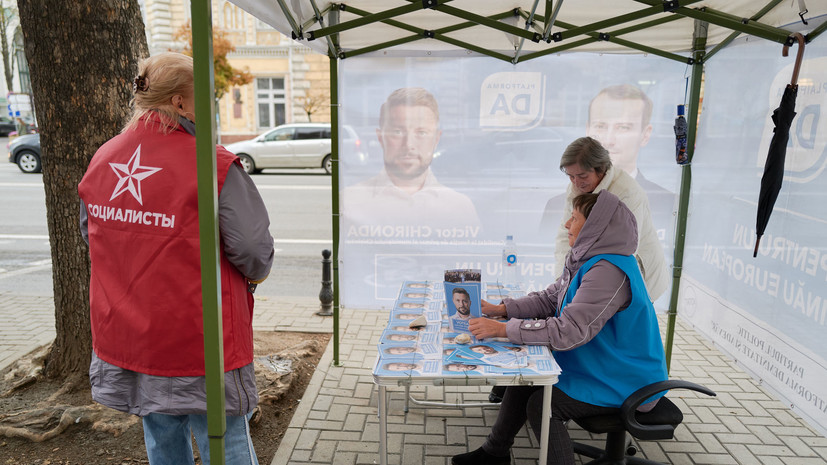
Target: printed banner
442	158
768	312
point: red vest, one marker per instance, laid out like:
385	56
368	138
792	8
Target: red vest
140	192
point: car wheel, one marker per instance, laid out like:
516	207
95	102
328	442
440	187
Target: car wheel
28	162
327	164
247	163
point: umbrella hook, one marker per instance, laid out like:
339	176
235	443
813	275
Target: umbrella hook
799	56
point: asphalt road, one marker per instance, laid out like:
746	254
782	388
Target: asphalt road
298	202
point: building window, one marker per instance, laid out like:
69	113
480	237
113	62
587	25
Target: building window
270	101
233	17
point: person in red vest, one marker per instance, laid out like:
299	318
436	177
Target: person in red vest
139	215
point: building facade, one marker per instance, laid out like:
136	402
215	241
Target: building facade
288	76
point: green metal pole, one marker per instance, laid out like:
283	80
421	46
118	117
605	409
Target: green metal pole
202	53
334	185
698	52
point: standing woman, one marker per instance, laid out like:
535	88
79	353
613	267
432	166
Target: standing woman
139	215
589	167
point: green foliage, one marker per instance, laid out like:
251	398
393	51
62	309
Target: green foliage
225	75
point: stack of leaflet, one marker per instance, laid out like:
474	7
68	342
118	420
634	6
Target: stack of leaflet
431	351
463	292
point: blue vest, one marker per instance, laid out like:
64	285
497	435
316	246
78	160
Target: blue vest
624	356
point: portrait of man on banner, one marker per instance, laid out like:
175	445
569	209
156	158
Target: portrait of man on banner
405	199
620	118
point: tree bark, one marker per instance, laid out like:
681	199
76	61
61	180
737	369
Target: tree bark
83	56
5	14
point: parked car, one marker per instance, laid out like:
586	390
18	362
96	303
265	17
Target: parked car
7	126
25	151
297	145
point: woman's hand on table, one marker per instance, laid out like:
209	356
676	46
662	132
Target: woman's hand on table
490	309
483	328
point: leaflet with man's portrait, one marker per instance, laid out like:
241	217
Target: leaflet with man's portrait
462	302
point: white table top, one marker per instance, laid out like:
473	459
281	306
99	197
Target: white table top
429	356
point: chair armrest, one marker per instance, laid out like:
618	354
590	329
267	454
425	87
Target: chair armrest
630	405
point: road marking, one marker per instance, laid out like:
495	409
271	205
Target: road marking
280	241
21	184
295	188
30	269
304	241
24	237
287	187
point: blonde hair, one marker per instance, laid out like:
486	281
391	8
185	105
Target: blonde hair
160	77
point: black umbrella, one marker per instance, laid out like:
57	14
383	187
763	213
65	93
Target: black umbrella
774	166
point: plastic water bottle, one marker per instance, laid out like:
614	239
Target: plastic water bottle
680	137
509	260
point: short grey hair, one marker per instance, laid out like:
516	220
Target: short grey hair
588	154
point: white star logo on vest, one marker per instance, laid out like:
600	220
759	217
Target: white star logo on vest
130	176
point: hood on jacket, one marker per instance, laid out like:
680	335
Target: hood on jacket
610	228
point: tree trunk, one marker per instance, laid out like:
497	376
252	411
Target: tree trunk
4	43
82	56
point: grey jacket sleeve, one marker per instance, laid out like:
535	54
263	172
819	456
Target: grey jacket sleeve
604	291
84	222
540	304
244	226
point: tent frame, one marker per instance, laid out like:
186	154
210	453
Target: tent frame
537	28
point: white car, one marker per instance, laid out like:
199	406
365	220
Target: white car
297	145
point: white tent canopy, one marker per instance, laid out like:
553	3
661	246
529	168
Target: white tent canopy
466	27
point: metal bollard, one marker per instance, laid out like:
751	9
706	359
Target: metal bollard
326	294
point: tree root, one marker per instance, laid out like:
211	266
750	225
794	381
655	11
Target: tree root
274	373
41	424
26	370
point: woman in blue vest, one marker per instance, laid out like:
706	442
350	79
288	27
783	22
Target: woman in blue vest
599	321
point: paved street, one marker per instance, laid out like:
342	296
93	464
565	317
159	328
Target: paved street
336	421
298	203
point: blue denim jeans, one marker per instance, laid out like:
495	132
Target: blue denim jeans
168	440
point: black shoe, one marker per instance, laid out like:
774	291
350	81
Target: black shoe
496	394
479	457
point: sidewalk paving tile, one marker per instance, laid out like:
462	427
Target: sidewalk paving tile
336	422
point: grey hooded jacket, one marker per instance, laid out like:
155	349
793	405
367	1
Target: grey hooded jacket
610	228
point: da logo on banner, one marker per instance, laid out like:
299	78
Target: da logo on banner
807	147
512	100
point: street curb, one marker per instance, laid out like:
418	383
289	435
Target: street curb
291	435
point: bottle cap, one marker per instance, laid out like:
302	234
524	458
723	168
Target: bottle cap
681	109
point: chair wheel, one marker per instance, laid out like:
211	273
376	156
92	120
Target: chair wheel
631	450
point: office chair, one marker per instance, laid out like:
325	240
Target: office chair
659	423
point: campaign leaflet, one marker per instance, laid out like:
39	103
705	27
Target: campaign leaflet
403	325
401	312
462	301
534	367
421	286
492	353
416	294
449	337
410	351
389	336
461	369
391	368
